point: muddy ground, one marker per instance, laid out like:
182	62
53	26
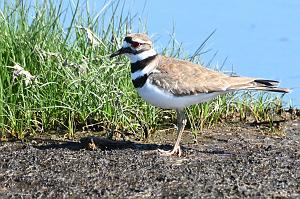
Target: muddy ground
228	161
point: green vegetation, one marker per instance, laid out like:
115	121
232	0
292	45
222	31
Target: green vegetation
74	85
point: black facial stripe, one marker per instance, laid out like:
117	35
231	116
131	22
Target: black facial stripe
128	40
128	50
140	81
139	65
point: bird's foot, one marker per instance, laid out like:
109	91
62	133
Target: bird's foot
174	151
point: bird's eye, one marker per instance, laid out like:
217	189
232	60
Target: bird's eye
135	44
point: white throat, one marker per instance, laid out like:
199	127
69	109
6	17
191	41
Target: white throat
141	56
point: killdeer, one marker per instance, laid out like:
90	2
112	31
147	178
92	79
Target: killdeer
171	83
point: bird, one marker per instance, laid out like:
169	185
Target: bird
171	83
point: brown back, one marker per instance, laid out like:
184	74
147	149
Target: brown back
185	78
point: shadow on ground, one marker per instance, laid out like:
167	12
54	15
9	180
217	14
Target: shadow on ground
94	143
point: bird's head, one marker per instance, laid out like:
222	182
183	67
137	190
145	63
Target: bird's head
136	46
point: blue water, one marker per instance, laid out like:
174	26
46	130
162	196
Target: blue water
258	38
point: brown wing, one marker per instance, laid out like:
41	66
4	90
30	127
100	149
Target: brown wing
185	78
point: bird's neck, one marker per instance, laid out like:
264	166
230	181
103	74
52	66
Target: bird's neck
142	64
141	56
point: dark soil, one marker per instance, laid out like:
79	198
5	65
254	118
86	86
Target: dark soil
234	162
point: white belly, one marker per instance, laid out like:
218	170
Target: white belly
162	99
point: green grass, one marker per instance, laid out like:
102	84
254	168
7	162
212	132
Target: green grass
77	85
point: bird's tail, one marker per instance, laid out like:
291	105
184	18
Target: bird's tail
269	85
261	85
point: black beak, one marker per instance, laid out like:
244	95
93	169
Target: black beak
121	51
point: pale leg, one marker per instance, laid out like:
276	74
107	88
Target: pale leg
181	122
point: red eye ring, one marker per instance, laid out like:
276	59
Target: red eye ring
135	44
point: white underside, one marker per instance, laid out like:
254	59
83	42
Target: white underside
163	99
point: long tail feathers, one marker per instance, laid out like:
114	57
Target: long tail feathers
267	85
245	83
267	82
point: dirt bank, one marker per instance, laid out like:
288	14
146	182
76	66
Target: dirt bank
226	162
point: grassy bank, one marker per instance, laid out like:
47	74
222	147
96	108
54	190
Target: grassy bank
55	77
